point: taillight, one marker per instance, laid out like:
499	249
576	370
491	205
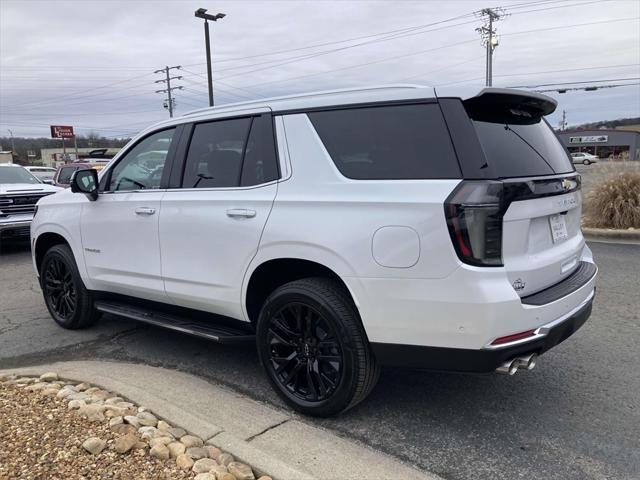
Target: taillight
474	212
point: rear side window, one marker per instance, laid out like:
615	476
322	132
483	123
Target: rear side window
522	150
231	153
65	174
388	143
260	163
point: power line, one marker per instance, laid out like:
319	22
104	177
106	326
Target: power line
544	72
577	83
588	89
82	91
426	51
335	42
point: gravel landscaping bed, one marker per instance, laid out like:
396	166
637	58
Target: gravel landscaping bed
52	429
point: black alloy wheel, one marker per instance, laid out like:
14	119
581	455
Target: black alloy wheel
304	352
65	295
313	347
59	289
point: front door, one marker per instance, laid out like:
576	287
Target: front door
120	229
210	228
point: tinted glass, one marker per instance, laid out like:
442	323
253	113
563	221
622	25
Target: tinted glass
391	142
16	175
215	154
65	174
522	150
141	168
260	163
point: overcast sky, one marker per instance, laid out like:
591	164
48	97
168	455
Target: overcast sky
90	63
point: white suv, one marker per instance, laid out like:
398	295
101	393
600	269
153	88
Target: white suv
340	231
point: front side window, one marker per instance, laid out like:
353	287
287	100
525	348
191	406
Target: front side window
141	168
388	143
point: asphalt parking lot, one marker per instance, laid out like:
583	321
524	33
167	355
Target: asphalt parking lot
576	416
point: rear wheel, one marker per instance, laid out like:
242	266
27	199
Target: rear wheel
65	295
586	162
314	349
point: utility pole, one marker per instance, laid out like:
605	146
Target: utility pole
202	13
489	38
169	101
13	147
563	122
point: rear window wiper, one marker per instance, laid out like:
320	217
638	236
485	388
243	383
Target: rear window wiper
509	129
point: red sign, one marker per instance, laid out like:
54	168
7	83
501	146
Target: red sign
61	131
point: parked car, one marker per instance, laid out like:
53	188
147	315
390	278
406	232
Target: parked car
584	158
19	193
44	174
63	175
339	231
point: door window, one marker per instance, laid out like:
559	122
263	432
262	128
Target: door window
215	154
141	168
231	153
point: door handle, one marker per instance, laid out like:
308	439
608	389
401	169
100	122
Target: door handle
241	212
145	211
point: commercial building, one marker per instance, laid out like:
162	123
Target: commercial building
607	144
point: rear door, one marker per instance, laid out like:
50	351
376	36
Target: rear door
212	220
541	238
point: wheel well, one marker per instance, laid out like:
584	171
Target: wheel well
275	273
44	243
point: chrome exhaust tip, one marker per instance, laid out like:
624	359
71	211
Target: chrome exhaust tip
528	362
510	367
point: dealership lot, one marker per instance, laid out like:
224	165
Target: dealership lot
576	416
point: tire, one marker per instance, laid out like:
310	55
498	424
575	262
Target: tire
331	366
586	162
68	301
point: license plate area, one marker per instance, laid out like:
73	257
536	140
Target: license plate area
558	228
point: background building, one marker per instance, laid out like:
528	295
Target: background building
616	144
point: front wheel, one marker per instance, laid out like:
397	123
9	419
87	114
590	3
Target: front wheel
586	162
65	295
314	349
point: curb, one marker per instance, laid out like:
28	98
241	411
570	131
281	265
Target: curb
611	234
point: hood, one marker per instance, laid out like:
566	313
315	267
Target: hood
9	188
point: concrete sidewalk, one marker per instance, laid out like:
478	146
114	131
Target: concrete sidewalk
274	441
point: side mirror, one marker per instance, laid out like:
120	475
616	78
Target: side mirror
85	181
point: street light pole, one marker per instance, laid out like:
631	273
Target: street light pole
207	42
202	13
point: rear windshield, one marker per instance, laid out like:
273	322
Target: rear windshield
65	174
522	150
388	143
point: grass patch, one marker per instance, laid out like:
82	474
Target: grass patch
614	202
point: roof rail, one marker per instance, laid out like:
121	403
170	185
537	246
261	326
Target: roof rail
308	94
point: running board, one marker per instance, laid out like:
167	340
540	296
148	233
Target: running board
199	328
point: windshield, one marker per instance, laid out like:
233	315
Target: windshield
16	175
522	150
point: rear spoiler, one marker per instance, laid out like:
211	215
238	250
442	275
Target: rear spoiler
501	105
510	106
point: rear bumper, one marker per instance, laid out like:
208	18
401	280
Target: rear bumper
487	359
